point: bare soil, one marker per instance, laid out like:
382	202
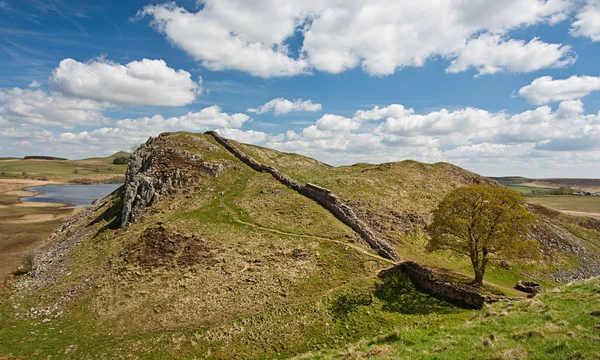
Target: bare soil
164	248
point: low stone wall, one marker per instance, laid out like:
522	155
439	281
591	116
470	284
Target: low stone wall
321	195
454	292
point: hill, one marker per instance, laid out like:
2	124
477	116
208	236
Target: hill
62	170
219	249
574	183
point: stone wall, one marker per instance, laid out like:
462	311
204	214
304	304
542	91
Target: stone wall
321	195
426	280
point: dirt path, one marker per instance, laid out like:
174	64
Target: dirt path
275	231
358	249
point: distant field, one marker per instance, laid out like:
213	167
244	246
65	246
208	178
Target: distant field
583	184
589	204
526	190
57	169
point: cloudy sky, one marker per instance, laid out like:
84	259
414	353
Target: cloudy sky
499	87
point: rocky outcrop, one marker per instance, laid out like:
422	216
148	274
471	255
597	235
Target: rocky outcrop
156	171
461	293
321	195
552	237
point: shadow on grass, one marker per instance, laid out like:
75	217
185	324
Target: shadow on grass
399	294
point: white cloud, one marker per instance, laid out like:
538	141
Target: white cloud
205	119
545	90
145	82
248	136
34	85
380	36
478	139
39	107
490	54
394	111
223	36
125	133
283	106
588	21
539	141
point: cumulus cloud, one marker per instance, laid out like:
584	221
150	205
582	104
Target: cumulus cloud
244	36
34	85
145	82
490	142
493	143
544	90
127	132
588	21
245	136
205	119
39	107
283	106
379	36
490	54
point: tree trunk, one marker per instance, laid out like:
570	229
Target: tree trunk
480	270
478	281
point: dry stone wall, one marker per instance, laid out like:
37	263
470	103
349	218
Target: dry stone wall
321	195
460	293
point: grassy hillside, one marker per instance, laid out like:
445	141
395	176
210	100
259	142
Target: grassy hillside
562	324
234	264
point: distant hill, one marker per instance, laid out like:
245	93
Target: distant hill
218	249
575	183
60	169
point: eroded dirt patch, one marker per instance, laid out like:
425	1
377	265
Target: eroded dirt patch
167	249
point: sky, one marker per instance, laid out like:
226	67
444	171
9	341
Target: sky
497	87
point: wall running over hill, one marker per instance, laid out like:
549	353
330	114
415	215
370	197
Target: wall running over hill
322	196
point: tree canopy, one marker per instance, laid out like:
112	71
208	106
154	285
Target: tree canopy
483	222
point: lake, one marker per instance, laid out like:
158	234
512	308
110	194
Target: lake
75	195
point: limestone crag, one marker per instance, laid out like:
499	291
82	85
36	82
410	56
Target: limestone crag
322	196
156	171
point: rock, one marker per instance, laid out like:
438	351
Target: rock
529	287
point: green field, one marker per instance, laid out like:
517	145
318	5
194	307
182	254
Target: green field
60	169
526	190
589	204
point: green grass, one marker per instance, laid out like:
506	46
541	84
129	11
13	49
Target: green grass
285	277
526	190
557	325
59	169
590	204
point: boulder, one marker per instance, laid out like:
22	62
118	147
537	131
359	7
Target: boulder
529	287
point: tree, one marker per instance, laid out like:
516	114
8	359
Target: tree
483	222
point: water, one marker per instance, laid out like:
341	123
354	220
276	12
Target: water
74	195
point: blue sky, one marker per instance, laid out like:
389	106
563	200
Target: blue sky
505	88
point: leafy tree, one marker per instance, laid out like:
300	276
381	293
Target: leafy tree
120	160
482	222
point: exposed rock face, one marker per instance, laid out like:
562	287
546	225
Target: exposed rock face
529	287
552	237
154	172
321	195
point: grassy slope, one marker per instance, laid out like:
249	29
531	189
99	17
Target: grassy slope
588	204
408	187
558	325
276	276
